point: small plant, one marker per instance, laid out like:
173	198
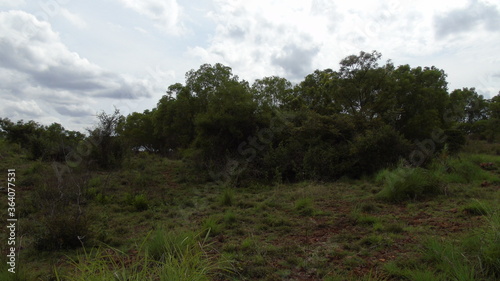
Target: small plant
406	183
248	244
229	217
95	182
227	197
363	219
140	202
366	219
304	206
394	228
211	226
163	244
476	208
167	256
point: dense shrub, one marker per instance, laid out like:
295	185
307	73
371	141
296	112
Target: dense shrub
377	148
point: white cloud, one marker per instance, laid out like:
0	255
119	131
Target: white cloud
73	18
293	38
262	38
165	14
28	108
12	4
41	77
38	52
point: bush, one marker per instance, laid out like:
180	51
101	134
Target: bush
63	222
211	226
66	230
406	183
375	149
463	169
327	162
168	244
304	206
140	202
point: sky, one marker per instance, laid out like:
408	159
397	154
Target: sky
65	61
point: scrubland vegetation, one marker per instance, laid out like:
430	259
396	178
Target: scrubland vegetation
366	173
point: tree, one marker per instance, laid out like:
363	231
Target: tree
138	131
108	148
205	81
41	142
272	92
494	107
421	100
228	121
316	93
174	118
469	106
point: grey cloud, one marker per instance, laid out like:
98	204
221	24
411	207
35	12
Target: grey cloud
295	60
466	19
47	63
236	32
73	111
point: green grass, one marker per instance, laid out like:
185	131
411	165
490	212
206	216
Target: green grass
405	183
476	208
304	206
430	223
168	256
227	197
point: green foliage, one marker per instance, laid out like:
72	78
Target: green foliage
475	257
61	219
476	208
304	206
168	256
211	226
107	148
163	244
67	230
455	140
377	148
229	217
227	197
405	183
140	202
48	143
463	169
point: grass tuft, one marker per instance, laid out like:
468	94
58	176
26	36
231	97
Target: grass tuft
304	206
405	183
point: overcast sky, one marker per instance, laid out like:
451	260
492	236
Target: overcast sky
66	60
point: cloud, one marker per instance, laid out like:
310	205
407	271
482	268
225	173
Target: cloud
472	17
295	60
36	51
73	18
74	111
28	108
12	4
264	38
165	13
